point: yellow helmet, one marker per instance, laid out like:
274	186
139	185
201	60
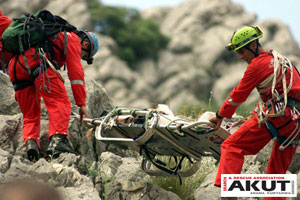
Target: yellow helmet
244	36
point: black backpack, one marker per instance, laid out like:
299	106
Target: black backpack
34	31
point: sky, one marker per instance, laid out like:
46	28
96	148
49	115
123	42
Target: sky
287	11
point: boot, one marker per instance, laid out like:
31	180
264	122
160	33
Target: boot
228	198
58	144
32	150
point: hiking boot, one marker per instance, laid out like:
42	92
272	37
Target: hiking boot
58	144
32	150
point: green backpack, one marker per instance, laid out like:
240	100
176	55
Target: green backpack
31	30
34	31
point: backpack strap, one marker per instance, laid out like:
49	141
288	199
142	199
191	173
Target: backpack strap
23	54
3	58
56	47
65	42
15	64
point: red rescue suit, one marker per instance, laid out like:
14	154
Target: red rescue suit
249	139
57	102
4	23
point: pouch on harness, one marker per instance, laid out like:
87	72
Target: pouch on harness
34	31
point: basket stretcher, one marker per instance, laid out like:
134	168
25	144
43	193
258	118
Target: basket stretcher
155	133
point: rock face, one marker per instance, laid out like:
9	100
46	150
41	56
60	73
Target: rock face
199	31
195	63
73	10
194	66
92	174
8	105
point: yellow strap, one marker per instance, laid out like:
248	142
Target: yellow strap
52	67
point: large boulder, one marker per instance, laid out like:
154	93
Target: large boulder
199	31
126	180
8	104
72	10
58	173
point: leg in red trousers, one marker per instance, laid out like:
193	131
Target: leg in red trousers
279	162
57	103
249	140
30	104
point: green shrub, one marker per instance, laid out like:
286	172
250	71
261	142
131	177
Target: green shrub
190	110
189	184
137	38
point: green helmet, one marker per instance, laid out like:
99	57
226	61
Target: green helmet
244	36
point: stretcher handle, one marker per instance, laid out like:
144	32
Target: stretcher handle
88	120
99	136
132	112
192	125
99	128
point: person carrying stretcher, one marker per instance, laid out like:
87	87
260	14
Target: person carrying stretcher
276	115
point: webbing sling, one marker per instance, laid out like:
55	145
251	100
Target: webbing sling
292	103
274	132
22	84
158	163
281	139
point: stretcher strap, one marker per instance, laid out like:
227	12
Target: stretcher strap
159	166
274	132
281	139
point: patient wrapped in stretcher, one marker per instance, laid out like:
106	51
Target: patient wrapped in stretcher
157	131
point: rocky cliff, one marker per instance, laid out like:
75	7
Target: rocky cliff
193	66
97	171
194	63
94	173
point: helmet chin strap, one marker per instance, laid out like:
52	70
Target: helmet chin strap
256	50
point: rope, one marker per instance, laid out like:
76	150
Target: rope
147	116
174	121
43	69
133	112
116	111
281	64
155	163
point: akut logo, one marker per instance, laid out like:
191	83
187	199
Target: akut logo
259	185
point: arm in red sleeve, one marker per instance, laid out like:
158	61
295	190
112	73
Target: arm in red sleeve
253	75
4	23
75	69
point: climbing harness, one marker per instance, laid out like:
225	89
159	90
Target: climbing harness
274	107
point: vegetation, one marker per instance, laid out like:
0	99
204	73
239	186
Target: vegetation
190	110
189	184
137	38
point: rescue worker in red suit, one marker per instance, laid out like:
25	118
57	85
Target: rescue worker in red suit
255	133
28	93
4	23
